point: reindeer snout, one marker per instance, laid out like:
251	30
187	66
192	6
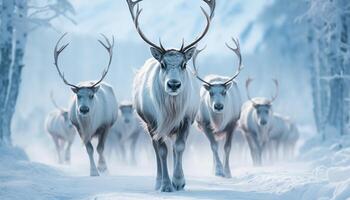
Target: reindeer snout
263	122
218	106
84	109
174	84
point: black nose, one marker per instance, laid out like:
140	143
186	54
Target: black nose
174	84
218	106
84	109
263	122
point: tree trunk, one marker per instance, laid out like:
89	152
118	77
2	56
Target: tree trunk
16	73
6	46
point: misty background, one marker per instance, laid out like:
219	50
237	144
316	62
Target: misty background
266	48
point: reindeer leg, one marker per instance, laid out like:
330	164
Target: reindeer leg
58	149
102	167
255	150
163	155
159	168
219	171
227	150
134	139
179	147
90	151
67	155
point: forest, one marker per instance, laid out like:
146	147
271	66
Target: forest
294	55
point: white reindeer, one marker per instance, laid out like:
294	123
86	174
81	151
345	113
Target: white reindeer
282	138
265	130
166	98
62	131
256	122
219	111
125	132
93	110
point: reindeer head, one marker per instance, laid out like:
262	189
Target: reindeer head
84	94
262	106
127	112
217	90
171	61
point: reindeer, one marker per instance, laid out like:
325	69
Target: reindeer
165	97
283	136
289	140
125	132
219	111
257	122
61	129
93	109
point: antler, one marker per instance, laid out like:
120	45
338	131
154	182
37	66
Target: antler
249	80
277	89
109	47
247	83
237	51
131	5
195	72
211	4
54	102
57	52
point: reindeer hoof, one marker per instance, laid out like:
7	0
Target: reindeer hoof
219	172
179	186
227	173
168	187
179	183
94	173
158	184
102	168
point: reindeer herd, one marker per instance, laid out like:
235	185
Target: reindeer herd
166	103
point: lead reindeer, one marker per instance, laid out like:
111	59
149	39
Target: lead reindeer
257	122
62	131
165	97
219	111
93	109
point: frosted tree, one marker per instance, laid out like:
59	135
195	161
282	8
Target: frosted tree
329	37
18	19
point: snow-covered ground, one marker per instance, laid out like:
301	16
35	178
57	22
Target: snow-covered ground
321	172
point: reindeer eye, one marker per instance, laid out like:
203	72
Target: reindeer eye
79	96
162	65
223	93
211	93
91	96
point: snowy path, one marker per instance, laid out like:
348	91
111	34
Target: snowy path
36	181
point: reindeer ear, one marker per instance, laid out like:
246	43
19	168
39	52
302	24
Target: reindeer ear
206	87
75	90
189	53
156	53
95	89
228	85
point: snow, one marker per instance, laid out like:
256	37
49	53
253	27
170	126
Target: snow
320	172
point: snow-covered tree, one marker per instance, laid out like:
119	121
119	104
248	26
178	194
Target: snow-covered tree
18	19
329	22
